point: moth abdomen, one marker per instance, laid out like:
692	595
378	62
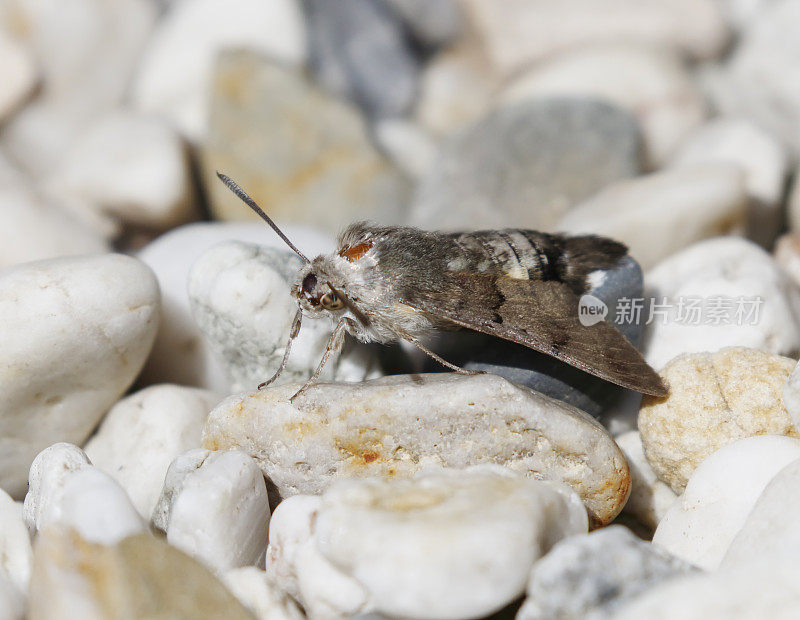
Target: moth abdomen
533	255
580	256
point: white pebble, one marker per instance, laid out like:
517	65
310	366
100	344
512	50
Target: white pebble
131	167
449	544
762	158
67	490
650	498
34	226
15	544
791	397
75	333
214	507
651	83
703	522
519	32
181	354
143	433
12	601
20	74
87	52
392	427
659	214
175	73
770	528
256	592
725	268
767	588
241	298
739	141
408	145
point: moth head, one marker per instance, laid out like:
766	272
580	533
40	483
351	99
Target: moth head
316	289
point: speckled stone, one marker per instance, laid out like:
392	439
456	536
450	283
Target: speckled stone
399	425
715	399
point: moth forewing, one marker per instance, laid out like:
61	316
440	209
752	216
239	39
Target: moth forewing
386	283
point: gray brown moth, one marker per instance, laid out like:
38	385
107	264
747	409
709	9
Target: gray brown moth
389	283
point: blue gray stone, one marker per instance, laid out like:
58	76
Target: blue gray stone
526	165
546	374
361	50
432	23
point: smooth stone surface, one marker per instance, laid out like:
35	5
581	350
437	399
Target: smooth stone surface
791	397
544	373
260	595
793	204
12	601
456	86
432	23
762	158
392	427
15	545
760	79
66	490
589	576
451	544
300	152
407	144
519	32
20	75
86	52
715	399
240	295
34	226
650	83
75	333
140	577
180	353
175	76
766	588
723	279
214	507
524	166
787	255
658	214
144	432
131	167
721	492
650	497
359	49
769	529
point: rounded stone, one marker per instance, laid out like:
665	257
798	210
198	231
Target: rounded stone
75	333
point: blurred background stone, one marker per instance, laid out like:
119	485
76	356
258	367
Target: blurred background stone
302	154
526	165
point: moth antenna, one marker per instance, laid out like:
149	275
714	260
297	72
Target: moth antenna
231	184
292	335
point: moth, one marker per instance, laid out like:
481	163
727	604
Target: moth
390	283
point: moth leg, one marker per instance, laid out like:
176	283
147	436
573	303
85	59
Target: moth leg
292	335
441	360
335	343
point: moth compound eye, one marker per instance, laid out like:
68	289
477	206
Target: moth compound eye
309	282
330	301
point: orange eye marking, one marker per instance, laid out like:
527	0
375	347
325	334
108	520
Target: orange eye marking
355	252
